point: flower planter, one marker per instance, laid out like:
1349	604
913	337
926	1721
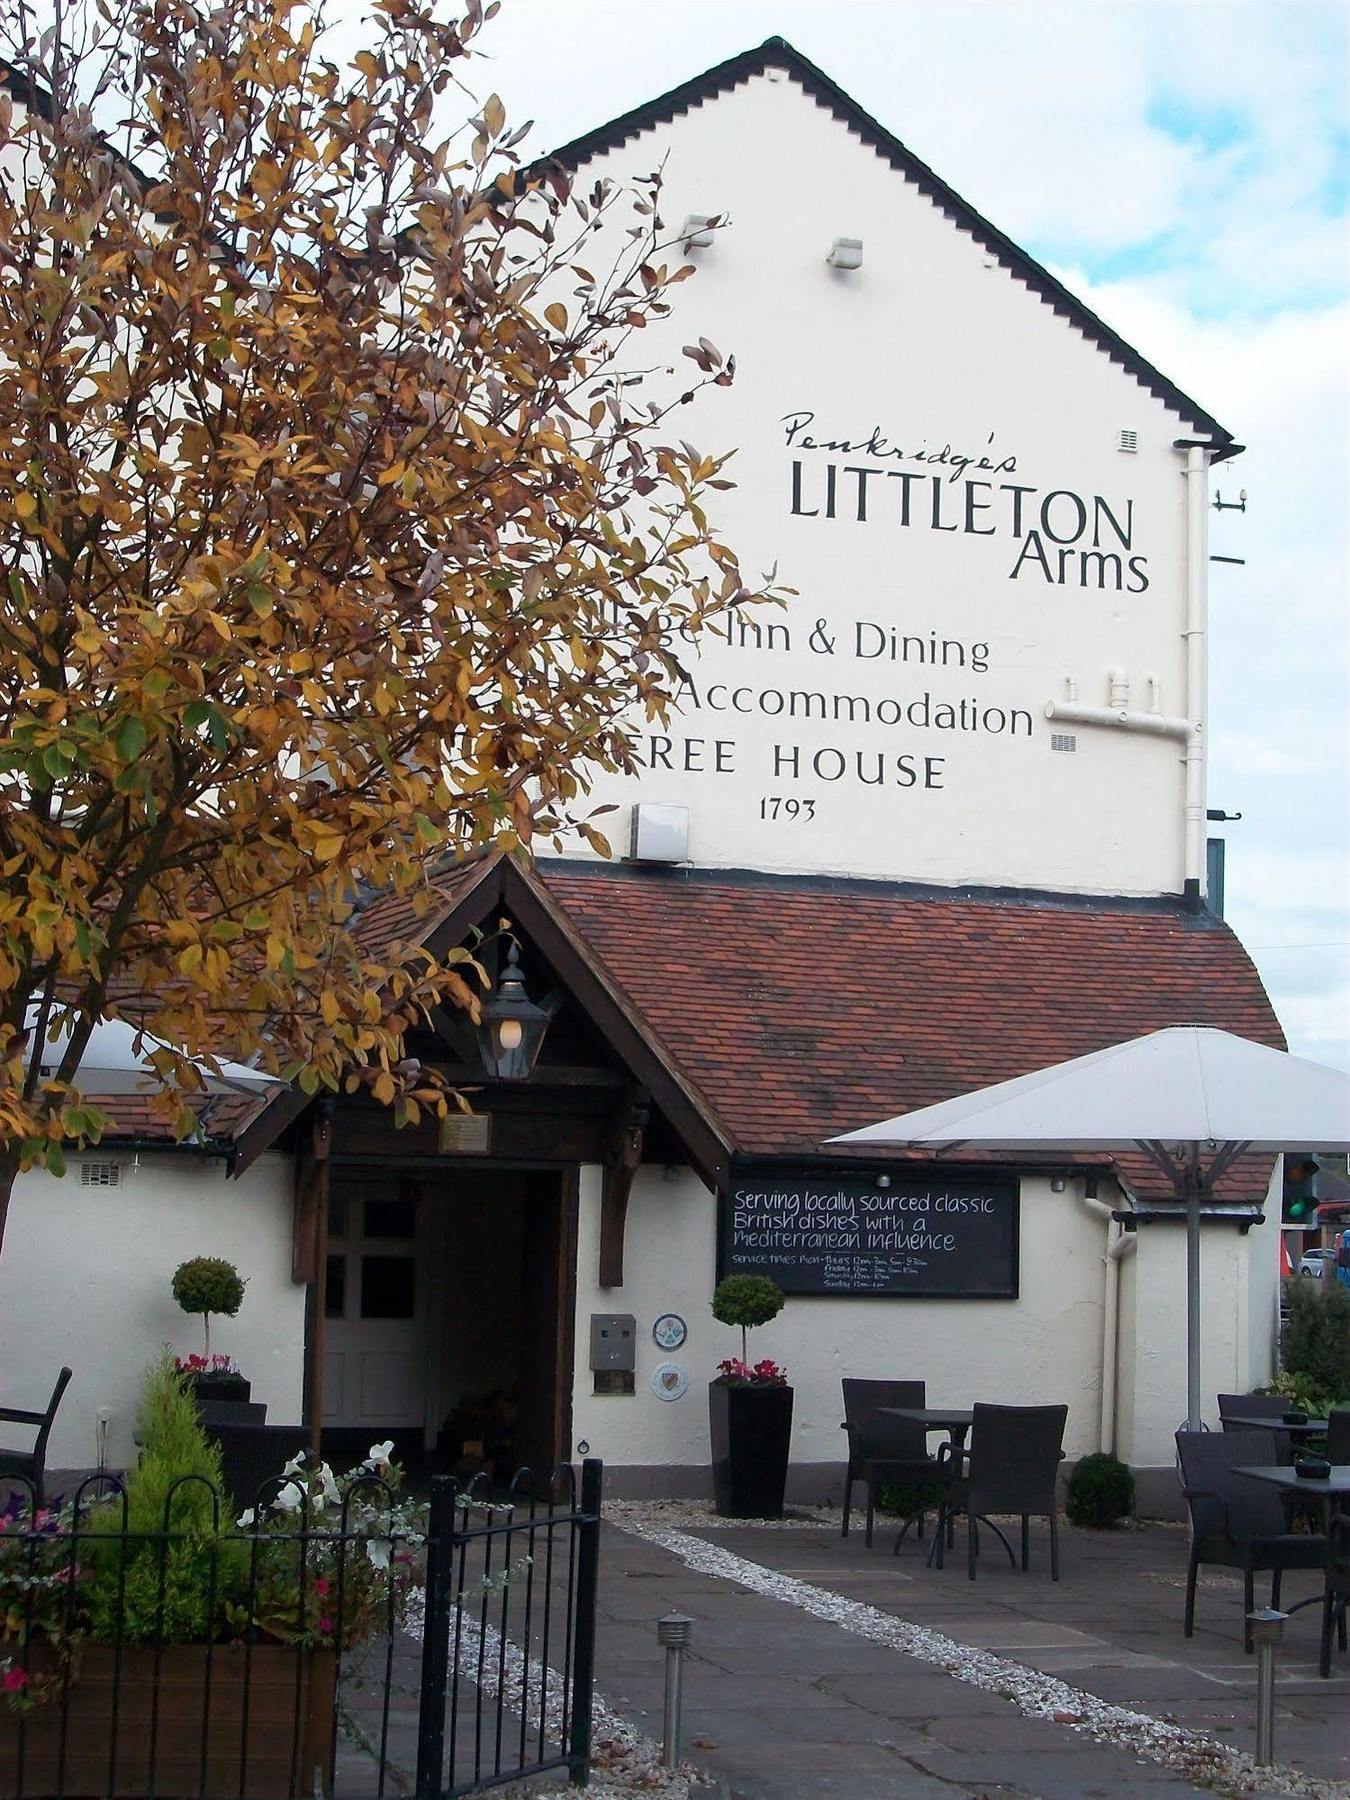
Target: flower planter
262	1727
751	1431
211	1384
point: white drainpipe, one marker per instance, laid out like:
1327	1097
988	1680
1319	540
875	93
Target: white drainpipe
1189	729
1119	1244
1197	608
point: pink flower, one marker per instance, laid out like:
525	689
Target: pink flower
14	1680
325	1627
321	1585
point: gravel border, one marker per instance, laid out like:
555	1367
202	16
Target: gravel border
624	1762
1181	1749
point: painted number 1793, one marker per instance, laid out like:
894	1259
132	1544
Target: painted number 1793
774	806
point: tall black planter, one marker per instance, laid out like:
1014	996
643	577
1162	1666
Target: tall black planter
751	1430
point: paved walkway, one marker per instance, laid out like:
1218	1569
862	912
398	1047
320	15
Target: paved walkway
786	1702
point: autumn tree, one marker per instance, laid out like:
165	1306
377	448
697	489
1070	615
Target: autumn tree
343	530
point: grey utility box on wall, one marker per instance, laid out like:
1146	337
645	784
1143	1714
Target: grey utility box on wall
613	1341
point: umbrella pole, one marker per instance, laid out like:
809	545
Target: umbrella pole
1192	1297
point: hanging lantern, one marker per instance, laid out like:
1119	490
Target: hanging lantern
511	1027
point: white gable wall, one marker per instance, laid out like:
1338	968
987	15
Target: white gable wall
84	1281
934	344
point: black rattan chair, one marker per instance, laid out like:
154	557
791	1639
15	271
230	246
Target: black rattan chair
1014	1464
1013	1467
884	1449
1336	1594
1338	1435
1252	1406
251	1456
1238	1523
30	1465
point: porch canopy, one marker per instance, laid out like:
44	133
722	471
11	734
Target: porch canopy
1191	1098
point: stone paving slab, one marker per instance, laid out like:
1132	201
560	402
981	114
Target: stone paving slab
1111	1626
780	1705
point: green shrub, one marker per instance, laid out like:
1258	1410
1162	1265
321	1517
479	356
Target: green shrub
1315	1342
174	1589
906	1498
1101	1491
206	1285
747	1301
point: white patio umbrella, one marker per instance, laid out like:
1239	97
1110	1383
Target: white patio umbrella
1191	1098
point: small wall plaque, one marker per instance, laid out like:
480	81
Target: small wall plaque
465	1134
669	1381
669	1331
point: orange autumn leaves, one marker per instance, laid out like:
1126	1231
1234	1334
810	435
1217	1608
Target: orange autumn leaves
342	532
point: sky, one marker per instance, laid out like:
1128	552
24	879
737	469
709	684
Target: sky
1185	168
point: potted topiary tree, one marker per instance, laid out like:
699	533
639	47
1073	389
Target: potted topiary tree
749	1408
206	1285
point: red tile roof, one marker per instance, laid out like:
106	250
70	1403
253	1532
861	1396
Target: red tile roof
800	1010
795	1010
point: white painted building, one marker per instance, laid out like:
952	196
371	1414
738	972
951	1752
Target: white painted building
938	822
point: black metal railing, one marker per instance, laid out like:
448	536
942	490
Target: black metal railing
331	1641
509	1635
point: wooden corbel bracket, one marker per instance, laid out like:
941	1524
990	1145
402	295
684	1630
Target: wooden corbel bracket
622	1164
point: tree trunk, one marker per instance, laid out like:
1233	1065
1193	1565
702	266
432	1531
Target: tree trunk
9	1168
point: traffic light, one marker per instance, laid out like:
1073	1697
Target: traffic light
1300	1190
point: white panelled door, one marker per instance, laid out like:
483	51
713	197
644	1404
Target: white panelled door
377	1304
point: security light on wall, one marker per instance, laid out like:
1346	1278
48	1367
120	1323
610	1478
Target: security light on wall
845	253
697	231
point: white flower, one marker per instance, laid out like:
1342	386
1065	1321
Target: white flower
381	1453
245	1519
296	1466
378	1549
291	1497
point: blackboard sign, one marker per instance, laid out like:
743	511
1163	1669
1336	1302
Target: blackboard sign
833	1232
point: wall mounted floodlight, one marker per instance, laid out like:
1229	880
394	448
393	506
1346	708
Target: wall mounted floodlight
845	253
697	231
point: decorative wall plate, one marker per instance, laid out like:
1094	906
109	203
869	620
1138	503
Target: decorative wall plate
669	1331
669	1381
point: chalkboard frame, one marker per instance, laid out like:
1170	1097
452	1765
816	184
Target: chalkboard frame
900	1176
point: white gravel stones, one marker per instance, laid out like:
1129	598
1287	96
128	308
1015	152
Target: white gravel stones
1187	1752
624	1763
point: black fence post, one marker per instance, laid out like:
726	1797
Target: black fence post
436	1637
583	1662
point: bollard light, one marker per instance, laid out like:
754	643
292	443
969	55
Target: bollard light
673	1633
1267	1628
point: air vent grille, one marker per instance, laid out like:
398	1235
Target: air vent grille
1064	741
100	1174
1129	442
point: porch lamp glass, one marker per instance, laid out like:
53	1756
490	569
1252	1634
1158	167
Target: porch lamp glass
511	1027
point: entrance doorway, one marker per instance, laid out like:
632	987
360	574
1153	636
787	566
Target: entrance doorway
451	1292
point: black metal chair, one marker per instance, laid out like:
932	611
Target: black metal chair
1238	1523
253	1455
1012	1467
1336	1594
1338	1435
31	1465
884	1449
1252	1406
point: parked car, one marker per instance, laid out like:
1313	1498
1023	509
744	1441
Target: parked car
1316	1262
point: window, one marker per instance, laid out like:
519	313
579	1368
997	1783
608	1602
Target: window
392	1218
335	1288
388	1287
